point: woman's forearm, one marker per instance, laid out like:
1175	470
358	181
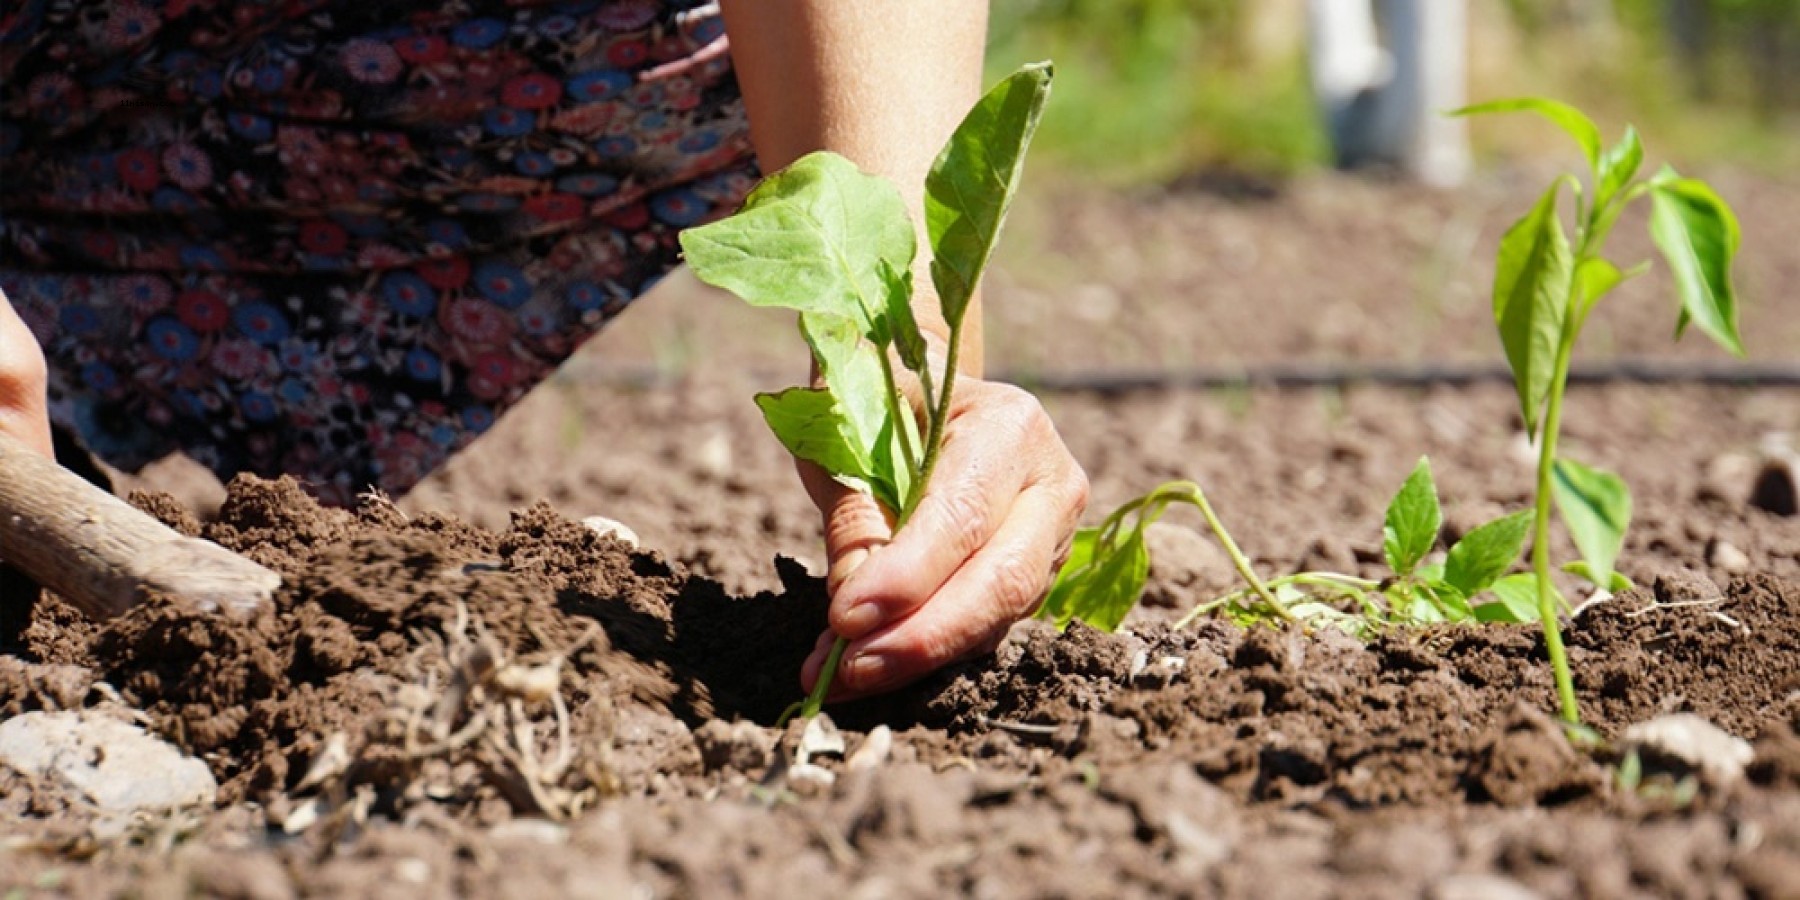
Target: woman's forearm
882	82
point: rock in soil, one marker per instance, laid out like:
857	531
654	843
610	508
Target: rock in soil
112	764
1690	744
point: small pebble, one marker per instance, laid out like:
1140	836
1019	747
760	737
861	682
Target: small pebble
612	528
1726	557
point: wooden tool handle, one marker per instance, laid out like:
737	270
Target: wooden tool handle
102	554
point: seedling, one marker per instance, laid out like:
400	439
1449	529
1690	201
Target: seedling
1545	287
836	245
1106	570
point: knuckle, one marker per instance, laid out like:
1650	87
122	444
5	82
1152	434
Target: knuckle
963	517
22	367
1019	583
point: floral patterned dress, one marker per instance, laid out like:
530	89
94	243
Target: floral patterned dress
337	238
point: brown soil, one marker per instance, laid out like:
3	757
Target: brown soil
1207	761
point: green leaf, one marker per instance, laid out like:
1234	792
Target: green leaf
973	181
1617	166
1451	603
1104	590
1595	278
1515	600
1413	518
1531	285
1596	506
1483	555
1062	589
902	326
851	368
1698	235
812	426
812	237
1567	117
1618	583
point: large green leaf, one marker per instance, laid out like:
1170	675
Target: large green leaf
1104	587
1413	518
1531	287
1698	234
1596	506
1483	555
973	181
1566	117
812	237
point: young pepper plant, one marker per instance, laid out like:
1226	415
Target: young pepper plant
836	245
1108	565
1547	283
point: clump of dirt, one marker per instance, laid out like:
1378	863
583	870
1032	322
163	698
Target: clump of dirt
365	592
371	699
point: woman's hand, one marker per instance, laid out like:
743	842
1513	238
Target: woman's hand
23	415
977	555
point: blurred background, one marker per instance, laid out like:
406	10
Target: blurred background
1154	90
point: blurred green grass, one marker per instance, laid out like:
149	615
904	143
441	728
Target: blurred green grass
1149	91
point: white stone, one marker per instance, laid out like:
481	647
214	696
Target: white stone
1481	887
114	764
613	528
1718	755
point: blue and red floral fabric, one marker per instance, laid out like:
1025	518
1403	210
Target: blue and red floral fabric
336	239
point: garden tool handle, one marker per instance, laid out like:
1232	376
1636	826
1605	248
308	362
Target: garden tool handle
102	554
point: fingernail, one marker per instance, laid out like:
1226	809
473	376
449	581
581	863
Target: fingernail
859	620
869	671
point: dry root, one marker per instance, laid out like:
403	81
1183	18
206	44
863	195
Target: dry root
467	709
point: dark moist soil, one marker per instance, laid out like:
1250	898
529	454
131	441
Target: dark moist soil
1208	760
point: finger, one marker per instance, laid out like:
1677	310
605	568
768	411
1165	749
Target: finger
1002	583
809	671
854	524
22	381
973	493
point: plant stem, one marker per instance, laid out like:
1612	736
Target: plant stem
1238	560
1540	542
896	405
815	701
940	418
934	441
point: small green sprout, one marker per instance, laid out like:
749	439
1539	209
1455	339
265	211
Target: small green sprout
836	245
